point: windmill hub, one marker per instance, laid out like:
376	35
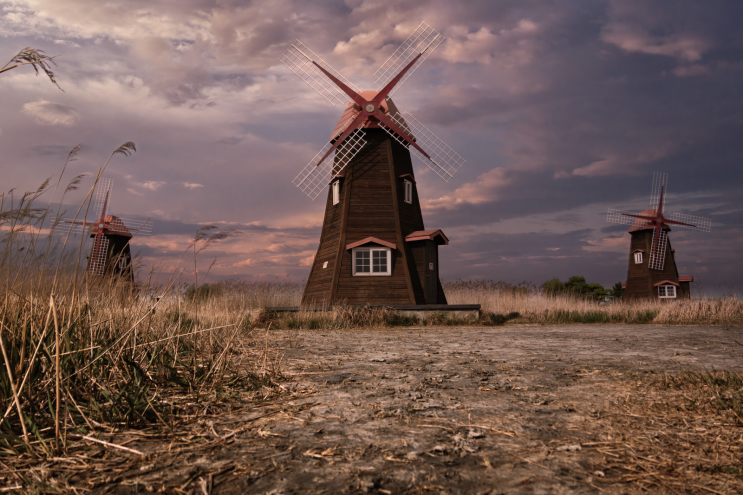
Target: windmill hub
370	107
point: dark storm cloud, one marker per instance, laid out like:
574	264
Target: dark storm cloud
534	257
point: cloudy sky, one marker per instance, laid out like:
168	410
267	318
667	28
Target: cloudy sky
561	108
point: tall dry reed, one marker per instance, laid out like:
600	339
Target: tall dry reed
83	354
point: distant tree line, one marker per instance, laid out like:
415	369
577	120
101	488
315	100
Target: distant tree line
577	286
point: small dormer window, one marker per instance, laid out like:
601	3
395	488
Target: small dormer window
638	258
336	192
667	291
408	191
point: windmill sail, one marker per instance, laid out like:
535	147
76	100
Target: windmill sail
444	160
129	226
620	216
695	223
424	40
104	188
315	176
97	263
660	184
303	62
657	260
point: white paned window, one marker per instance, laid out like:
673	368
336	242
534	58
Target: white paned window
372	261
336	192
667	291
638	258
408	191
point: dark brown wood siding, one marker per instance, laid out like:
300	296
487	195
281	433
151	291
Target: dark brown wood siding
684	291
418	264
320	280
372	205
640	279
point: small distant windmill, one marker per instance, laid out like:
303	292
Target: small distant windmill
373	247
110	253
652	266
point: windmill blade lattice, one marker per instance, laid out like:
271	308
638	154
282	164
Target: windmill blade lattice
77	228
315	176
697	223
104	186
660	184
657	258
300	60
97	263
133	227
444	160
621	216
423	40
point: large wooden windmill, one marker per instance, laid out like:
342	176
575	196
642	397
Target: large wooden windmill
652	269
110	254
374	247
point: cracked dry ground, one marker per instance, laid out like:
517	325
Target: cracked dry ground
520	408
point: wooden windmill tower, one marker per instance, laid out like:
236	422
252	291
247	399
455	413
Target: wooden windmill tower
652	269
110	254
374	247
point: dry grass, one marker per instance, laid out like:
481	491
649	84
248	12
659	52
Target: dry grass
84	356
535	307
677	433
500	302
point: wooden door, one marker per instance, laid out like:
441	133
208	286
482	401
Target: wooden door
432	272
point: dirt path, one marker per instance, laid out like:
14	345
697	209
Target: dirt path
446	410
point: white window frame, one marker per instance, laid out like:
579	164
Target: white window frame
638	257
371	250
663	291
336	192
408	188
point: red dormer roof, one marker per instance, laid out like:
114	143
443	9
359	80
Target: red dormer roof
409	177
686	278
641	250
371	240
422	235
665	282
